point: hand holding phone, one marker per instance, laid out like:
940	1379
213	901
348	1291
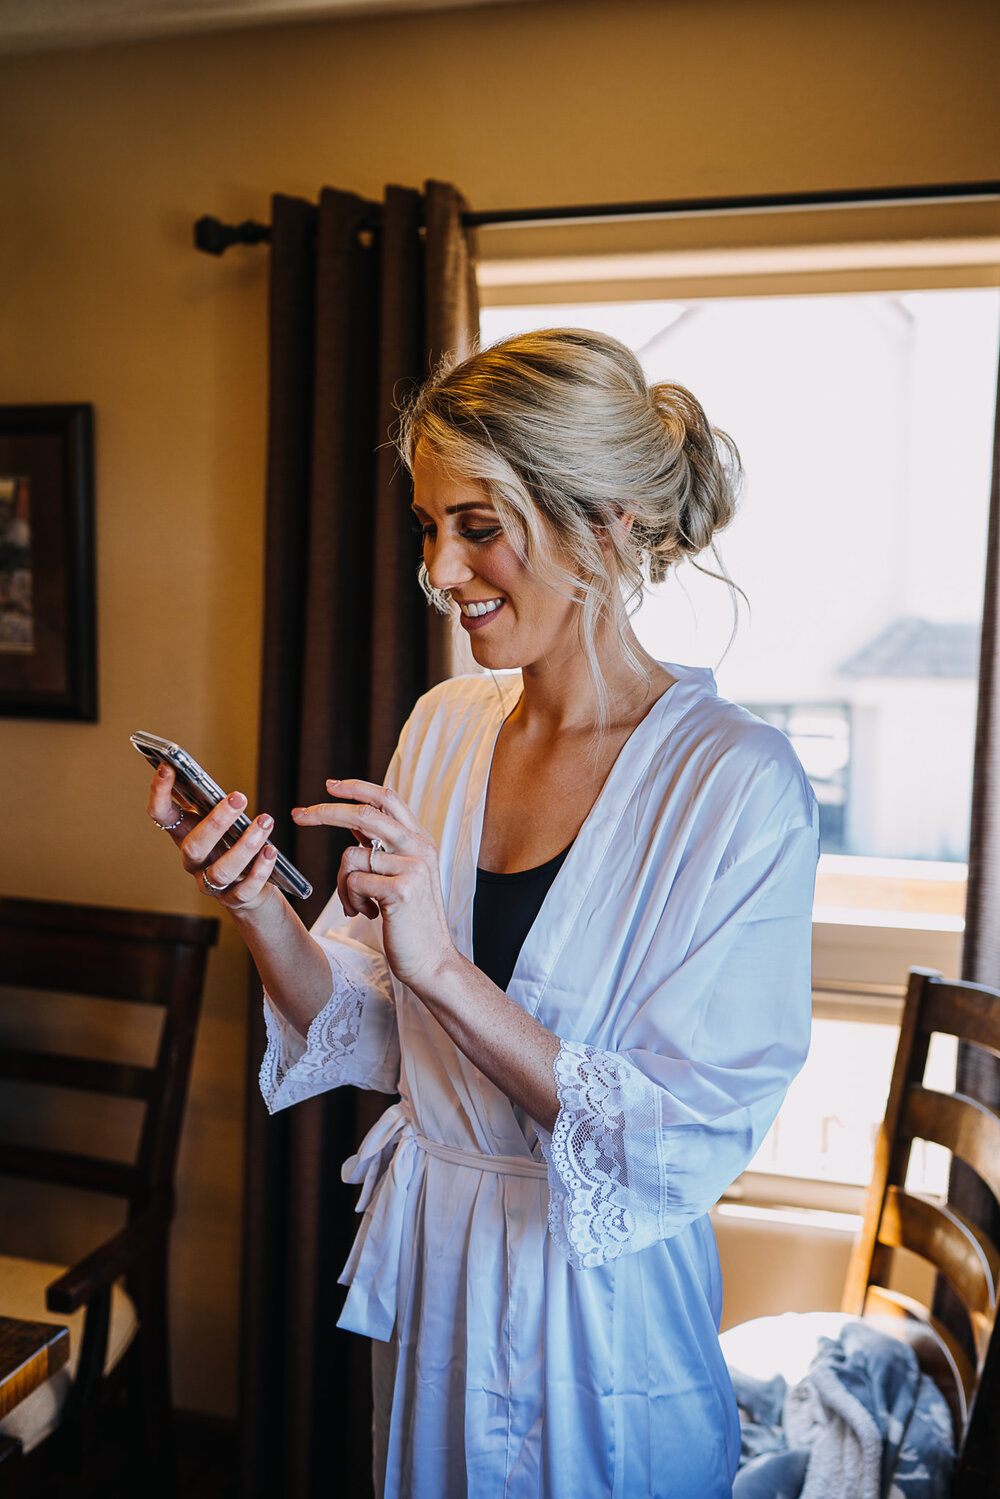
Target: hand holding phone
195	791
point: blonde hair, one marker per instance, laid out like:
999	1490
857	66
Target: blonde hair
565	435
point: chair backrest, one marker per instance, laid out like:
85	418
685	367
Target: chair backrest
963	1253
142	957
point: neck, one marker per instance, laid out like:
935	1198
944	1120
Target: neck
559	694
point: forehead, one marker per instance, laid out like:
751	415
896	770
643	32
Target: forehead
437	491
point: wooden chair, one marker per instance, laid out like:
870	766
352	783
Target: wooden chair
145	959
965	1255
895	1220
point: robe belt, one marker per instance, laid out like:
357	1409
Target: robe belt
384	1165
503	1165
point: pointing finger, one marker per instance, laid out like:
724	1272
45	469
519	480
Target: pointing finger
383	797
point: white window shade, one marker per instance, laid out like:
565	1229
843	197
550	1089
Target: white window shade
881	247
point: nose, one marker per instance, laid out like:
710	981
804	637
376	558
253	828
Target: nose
446	562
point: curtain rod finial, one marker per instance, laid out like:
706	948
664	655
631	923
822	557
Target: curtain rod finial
214	238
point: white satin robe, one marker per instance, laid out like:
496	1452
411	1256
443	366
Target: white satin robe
551	1305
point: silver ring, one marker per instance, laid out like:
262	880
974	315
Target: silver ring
371	856
207	884
168	827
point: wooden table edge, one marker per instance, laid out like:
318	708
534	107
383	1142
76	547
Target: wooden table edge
30	1353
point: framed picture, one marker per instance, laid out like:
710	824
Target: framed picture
47	634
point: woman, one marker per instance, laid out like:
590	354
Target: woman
575	936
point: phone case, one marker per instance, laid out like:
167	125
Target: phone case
195	791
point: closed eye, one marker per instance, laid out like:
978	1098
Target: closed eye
477	534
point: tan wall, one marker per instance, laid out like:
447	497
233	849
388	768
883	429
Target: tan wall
106	158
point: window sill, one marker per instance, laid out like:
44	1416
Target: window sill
906	894
813	1220
874	916
771	1192
863	965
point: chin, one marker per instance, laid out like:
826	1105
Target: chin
493	658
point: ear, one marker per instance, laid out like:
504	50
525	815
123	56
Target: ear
626	519
604	532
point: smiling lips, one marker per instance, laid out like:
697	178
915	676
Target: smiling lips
478	612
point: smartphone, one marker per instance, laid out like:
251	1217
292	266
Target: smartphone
195	791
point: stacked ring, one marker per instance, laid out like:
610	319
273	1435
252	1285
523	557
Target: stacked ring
168	827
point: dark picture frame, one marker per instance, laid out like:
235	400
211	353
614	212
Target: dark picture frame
48	665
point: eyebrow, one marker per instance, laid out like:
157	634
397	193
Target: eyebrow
457	509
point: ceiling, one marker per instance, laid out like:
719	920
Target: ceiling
40	25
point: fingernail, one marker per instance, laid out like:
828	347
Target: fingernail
236	799
269	851
297	811
265	821
162	772
331	783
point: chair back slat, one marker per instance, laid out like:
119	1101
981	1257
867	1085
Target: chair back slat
140	974
88	1074
66	920
65	1168
969	1011
944	1238
962	1125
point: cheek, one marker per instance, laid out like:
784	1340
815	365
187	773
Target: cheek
501	565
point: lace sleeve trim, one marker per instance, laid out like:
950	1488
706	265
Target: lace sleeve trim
592	1216
291	1071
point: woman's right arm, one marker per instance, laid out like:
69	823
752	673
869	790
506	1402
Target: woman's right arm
293	967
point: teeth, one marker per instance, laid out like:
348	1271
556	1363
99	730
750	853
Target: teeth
487	607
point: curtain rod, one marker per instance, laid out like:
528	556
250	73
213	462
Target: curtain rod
213	237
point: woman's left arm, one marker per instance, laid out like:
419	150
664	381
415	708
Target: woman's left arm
401	879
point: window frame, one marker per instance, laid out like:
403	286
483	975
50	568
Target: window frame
860	963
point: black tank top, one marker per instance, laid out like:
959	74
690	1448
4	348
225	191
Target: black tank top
503	912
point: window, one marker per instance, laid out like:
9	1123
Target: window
865	421
866	424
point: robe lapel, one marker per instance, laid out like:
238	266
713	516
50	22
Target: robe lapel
462	890
590	859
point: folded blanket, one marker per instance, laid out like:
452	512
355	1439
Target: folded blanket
863	1424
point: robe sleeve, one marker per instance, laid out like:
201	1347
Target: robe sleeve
650	1135
354	1039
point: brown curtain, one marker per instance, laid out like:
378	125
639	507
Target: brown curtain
364	299
978	1072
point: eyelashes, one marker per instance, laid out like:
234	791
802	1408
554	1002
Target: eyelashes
479	535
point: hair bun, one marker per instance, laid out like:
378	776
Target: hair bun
702	470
